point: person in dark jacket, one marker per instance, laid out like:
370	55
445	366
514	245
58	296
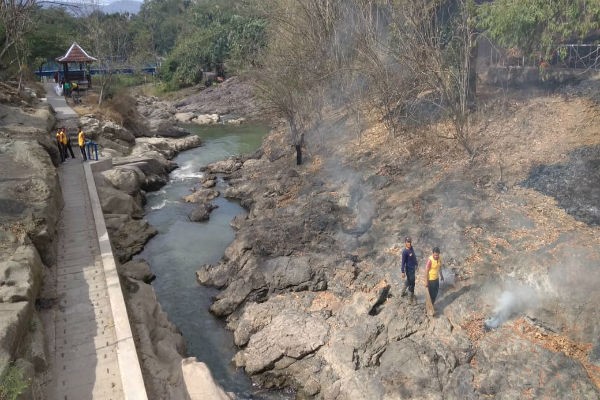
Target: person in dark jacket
409	268
68	148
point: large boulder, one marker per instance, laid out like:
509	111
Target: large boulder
200	383
206	119
128	236
114	201
289	335
20	283
202	196
160	345
107	134
202	212
124	179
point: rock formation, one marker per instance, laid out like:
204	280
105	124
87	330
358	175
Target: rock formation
311	288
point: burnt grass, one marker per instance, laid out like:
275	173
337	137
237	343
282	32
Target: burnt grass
575	184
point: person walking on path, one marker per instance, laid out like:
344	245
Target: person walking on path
68	144
67	89
409	268
81	142
59	144
433	274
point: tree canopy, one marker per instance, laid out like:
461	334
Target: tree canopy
539	25
308	53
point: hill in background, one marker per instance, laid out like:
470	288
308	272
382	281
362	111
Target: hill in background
122	6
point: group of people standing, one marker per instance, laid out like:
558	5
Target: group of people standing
63	141
433	271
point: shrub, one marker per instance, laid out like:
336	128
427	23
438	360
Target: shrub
12	383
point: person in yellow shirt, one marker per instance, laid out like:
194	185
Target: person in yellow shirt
433	274
81	141
59	144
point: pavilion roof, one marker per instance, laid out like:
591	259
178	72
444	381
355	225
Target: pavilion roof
76	54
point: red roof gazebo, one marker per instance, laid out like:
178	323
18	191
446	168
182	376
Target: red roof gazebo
76	55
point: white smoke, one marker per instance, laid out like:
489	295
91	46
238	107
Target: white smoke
449	278
512	302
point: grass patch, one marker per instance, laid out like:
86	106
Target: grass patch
12	383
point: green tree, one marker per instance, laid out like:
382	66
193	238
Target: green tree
538	25
54	33
215	37
162	22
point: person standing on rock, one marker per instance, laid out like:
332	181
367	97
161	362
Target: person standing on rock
81	142
68	144
59	144
409	268
433	274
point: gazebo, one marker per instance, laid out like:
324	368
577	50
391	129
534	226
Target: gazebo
76	55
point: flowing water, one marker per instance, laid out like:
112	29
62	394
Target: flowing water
181	246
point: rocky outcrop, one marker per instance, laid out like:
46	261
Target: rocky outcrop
311	288
160	117
233	97
122	189
161	346
30	203
107	134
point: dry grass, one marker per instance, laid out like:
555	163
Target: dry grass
121	109
473	326
325	301
558	344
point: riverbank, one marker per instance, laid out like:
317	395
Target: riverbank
311	284
140	167
31	204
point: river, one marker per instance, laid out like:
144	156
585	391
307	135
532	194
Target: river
181	246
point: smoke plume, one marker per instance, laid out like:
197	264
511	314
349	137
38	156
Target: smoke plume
510	303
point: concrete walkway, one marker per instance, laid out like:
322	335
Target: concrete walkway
62	110
85	353
93	352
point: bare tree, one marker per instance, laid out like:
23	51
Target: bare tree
436	41
348	53
111	43
296	64
15	22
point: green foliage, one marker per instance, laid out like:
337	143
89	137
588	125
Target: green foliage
193	37
55	31
183	67
215	35
12	383
246	40
160	22
538	25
